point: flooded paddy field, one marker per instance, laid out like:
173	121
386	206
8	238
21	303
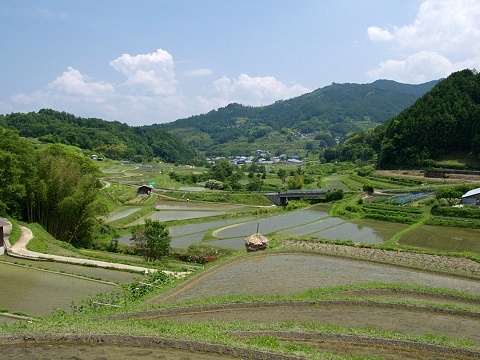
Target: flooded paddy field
443	238
407	320
292	273
185	210
361	231
123	212
316	224
86	271
110	351
37	292
185	235
272	224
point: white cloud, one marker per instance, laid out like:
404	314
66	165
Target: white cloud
377	34
255	90
444	37
72	82
199	72
149	93
417	68
147	74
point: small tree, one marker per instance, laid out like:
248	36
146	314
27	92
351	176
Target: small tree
152	240
368	189
296	182
282	175
255	184
448	193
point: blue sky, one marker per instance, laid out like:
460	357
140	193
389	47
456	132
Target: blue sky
154	61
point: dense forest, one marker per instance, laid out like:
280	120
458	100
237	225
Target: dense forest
54	186
444	121
108	138
330	112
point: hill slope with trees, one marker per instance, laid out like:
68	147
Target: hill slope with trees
109	138
330	112
446	120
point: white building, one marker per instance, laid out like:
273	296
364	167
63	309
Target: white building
471	197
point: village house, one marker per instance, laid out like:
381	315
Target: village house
145	190
471	197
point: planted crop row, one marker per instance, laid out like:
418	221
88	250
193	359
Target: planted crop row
371	181
403	219
453	222
391	213
464	213
410	210
397	181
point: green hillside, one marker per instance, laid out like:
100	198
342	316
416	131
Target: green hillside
108	138
324	114
443	122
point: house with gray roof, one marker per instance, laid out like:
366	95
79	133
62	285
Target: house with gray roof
471	197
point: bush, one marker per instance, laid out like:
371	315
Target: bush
464	213
368	189
365	171
334	195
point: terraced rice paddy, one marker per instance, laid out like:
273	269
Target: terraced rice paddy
413	312
285	274
443	238
37	292
110	351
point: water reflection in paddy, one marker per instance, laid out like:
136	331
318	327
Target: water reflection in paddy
368	232
271	224
122	213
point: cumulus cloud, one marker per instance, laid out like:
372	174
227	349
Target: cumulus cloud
444	37
148	74
377	34
72	82
150	92
255	90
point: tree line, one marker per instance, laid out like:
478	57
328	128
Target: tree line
53	186
444	121
111	139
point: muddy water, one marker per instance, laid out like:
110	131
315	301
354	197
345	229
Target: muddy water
289	274
37	292
104	352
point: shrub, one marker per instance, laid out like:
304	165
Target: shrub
365	171
368	188
334	195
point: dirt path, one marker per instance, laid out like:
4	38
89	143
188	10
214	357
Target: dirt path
19	249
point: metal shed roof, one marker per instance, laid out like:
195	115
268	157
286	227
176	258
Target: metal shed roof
471	193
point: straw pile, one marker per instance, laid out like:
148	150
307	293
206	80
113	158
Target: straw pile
256	242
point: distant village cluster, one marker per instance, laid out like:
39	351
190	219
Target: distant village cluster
263	158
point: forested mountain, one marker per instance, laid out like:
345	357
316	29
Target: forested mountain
110	138
330	112
443	121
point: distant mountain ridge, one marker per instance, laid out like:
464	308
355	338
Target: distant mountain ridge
331	112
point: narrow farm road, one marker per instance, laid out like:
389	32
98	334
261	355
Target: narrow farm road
19	249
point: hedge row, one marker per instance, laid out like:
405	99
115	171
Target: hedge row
464	213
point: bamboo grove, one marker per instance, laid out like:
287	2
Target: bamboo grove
53	186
